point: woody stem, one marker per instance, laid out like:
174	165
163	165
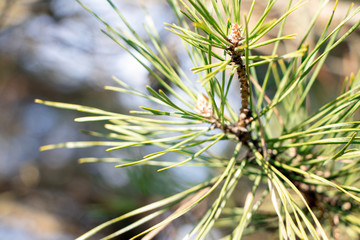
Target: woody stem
244	87
244	116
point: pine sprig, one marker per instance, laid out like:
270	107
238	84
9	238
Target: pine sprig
309	163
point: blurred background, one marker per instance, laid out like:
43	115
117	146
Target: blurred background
54	50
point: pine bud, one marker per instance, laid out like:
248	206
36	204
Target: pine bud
235	35
203	107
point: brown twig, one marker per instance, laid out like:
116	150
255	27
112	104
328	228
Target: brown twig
203	107
235	40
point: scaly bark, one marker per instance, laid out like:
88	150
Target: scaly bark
235	40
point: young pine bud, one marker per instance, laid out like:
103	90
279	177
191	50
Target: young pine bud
203	107
235	35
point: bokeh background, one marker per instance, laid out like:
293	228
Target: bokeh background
54	50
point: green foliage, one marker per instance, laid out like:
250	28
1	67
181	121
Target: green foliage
309	163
